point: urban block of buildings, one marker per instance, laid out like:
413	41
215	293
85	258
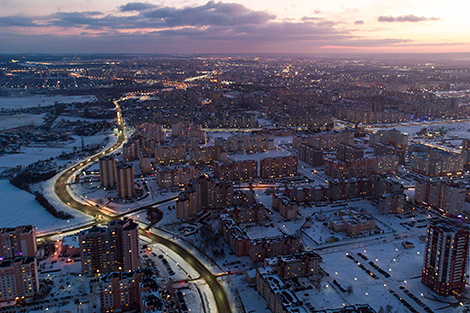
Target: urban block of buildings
278	167
389	194
434	162
19	281
445	195
324	141
134	291
206	193
257	249
111	249
249	143
176	176
236	170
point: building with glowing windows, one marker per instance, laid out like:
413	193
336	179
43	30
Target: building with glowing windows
105	250
446	257
18	241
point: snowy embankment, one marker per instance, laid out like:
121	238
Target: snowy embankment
36	101
20	208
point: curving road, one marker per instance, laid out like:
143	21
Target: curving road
62	192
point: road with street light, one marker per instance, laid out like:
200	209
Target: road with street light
63	193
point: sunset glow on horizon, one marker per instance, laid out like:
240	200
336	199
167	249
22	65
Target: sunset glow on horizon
233	26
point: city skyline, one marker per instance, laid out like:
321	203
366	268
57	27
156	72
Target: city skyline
233	26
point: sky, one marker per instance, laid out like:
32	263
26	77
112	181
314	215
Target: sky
234	26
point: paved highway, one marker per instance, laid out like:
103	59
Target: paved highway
62	192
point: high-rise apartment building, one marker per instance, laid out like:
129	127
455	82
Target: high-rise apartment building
437	163
446	257
18	279
96	251
145	162
130	150
107	171
105	250
125	180
18	241
125	234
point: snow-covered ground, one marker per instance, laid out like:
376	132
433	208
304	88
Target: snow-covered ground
13	121
403	265
258	156
77	118
35	152
20	208
34	101
450	133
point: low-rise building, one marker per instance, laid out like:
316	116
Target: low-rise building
311	155
176	176
68	246
286	207
278	167
352	221
239	170
278	297
294	265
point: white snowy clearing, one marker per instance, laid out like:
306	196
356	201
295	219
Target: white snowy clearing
13	121
34	101
20	208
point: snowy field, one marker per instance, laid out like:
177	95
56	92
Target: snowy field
20	208
13	121
78	118
258	156
34	101
456	128
450	134
35	152
403	265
